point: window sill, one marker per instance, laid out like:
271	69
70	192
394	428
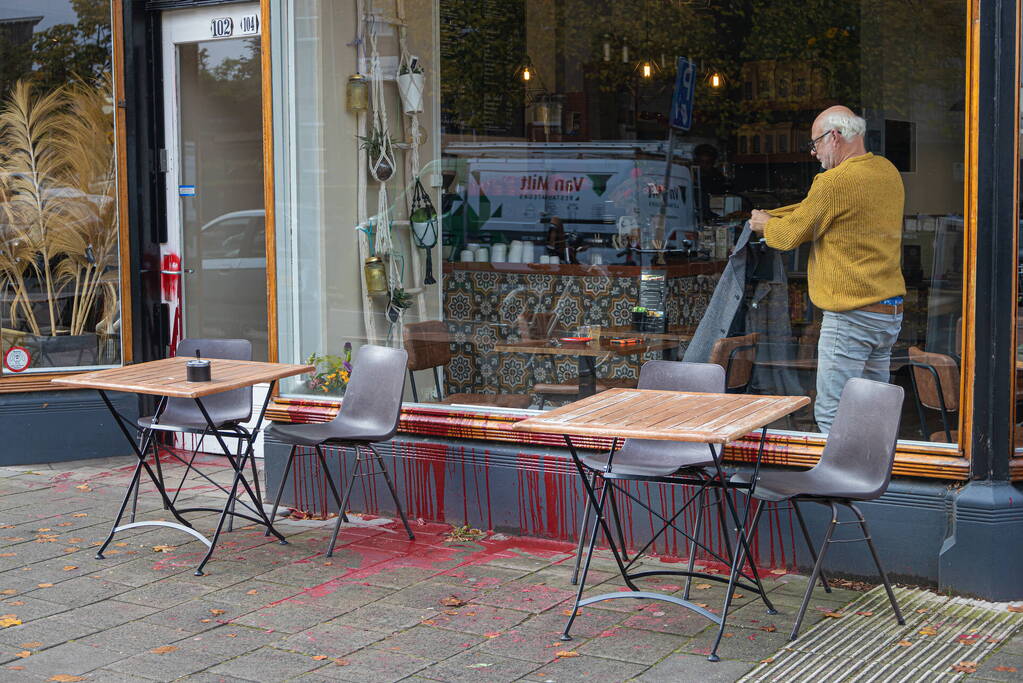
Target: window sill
912	459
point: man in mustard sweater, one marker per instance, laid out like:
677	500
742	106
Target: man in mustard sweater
852	216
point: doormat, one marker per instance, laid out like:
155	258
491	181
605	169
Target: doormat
944	639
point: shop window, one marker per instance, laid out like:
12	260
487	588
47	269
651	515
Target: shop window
541	145
60	303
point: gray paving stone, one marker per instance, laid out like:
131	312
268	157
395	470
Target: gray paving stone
109	613
589	669
370	665
592	621
430	593
679	667
83	590
231	640
533	646
477	665
344	596
134	638
429	642
267	664
386	617
1001	666
186	660
165	593
197	615
49	631
249	592
528	594
631	645
28	608
478	619
70	658
332	640
289	616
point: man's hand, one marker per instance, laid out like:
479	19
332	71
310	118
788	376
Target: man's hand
758	221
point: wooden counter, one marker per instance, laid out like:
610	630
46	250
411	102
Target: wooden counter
582	269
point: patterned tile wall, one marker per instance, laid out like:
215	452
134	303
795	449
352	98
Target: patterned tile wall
481	307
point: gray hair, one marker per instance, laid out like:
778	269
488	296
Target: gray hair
849	126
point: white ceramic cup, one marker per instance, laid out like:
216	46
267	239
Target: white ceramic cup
499	253
555	259
483	254
466	256
515	253
545	258
597	259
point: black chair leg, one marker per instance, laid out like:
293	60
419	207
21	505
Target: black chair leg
582	535
816	571
280	489
330	482
809	544
877	561
394	493
693	540
342	517
566	635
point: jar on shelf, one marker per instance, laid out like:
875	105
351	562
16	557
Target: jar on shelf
376	275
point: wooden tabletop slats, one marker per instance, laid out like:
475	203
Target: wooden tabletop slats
166	377
665	415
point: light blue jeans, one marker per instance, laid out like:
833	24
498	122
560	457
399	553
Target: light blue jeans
852	344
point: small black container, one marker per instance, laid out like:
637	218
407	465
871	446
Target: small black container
198	371
638	318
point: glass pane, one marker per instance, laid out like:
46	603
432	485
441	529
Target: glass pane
223	223
59	266
567	209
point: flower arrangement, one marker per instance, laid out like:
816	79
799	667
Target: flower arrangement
332	372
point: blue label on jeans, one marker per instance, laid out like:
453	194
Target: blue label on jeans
894	301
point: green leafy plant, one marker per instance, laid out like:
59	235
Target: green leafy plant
375	142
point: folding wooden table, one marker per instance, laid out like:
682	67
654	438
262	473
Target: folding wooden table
714	419
166	379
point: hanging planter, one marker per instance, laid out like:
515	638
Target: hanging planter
423	218
378	145
411	85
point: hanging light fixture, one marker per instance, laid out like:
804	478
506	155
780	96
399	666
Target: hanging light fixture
716	81
526	71
607	47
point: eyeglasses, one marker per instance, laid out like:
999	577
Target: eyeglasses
812	146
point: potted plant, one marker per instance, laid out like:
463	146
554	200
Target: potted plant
332	372
411	85
399	301
377	145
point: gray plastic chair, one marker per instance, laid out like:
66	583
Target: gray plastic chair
654	459
369	414
856	465
227	410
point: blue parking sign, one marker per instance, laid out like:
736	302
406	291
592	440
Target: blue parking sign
682	97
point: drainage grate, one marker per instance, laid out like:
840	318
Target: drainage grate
867	644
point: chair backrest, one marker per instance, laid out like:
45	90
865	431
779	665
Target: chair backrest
930	388
428	344
373	398
670	375
538	326
234	405
736	355
861	445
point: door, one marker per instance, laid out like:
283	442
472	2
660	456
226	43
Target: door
214	260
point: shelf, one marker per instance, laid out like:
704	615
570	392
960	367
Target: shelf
581	269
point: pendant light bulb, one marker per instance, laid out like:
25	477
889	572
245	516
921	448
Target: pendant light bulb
526	74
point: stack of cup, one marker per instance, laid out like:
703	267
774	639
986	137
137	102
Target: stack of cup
482	254
515	252
528	255
466	256
499	253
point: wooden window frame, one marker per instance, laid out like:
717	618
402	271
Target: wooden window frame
914	459
40	381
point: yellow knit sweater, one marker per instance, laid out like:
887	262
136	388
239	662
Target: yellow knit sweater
853	216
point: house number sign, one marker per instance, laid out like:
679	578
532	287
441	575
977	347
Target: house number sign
224	27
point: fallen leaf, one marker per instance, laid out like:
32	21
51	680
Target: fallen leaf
8	591
492	634
568	612
163	548
33	645
6	526
163	649
319	658
15	603
702	586
217	611
65	678
736	596
65	524
566	653
701	604
80	514
45	528
205	621
865	614
923	610
451	612
1015	608
727	635
770	629
767	661
7	620
80	540
232	635
251	592
452	601
992	640
83	487
428	622
965	667
905	643
341	662
15	667
8	554
834	615
1009	669
928	631
45	585
23	654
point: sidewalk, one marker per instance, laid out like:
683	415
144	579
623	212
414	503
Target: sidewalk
386	609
